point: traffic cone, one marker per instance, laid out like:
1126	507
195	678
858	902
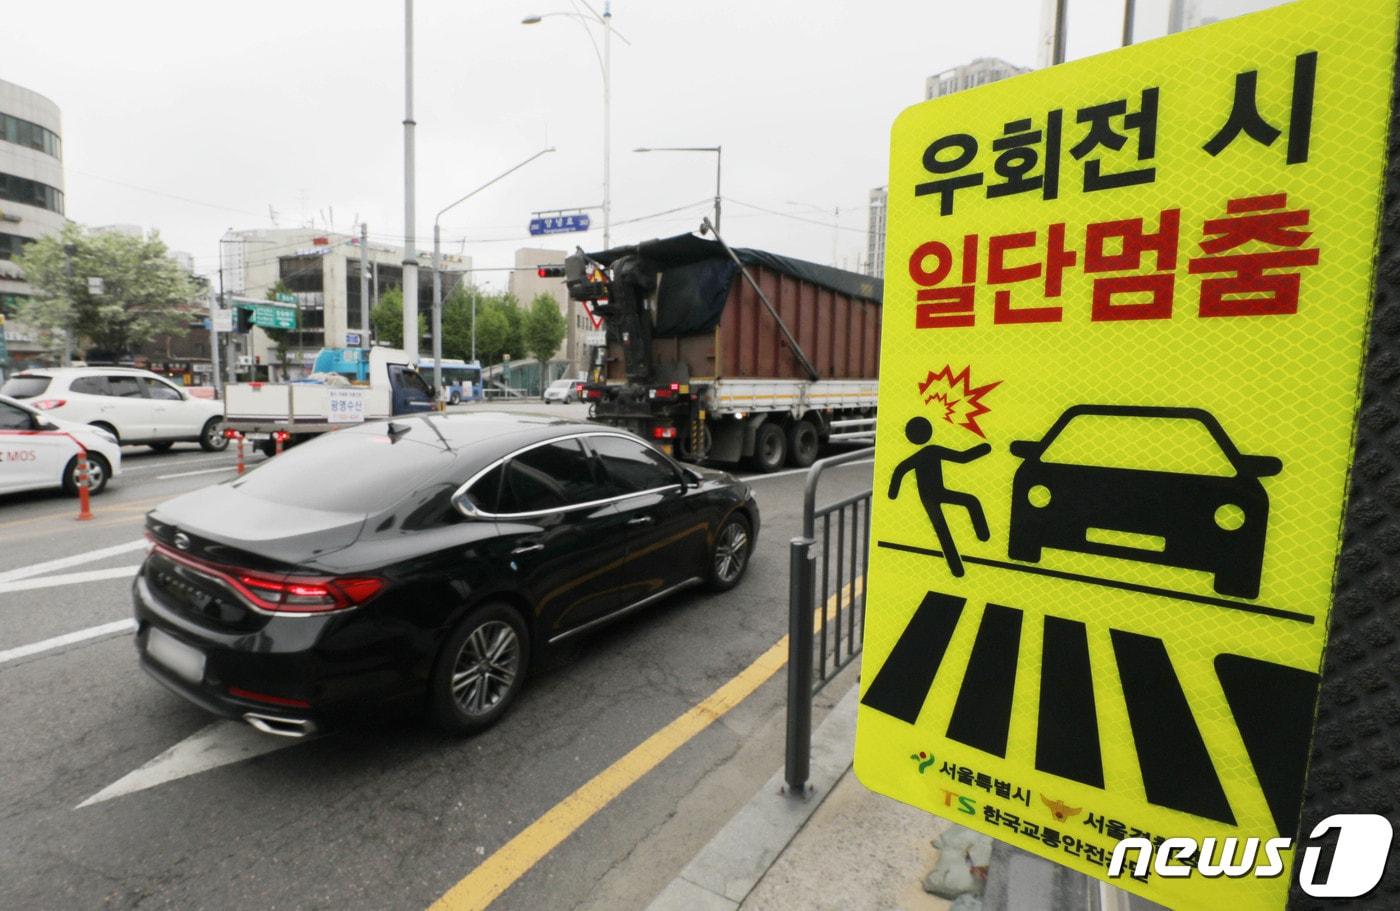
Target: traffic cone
240	453
84	481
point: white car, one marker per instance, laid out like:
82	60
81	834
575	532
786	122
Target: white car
135	406
39	451
564	391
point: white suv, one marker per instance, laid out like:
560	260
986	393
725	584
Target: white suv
135	406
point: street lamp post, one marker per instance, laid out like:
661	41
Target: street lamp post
719	160
410	252
604	63
437	270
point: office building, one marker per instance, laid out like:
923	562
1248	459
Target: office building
981	71
31	206
321	271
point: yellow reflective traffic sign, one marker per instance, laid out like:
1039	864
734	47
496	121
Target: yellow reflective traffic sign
1126	305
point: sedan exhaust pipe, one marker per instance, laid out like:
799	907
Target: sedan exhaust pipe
280	727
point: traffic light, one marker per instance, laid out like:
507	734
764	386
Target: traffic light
550	271
242	319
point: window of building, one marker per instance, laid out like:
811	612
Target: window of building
11	245
30	193
29	135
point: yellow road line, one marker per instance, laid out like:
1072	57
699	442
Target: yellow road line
499	871
516	857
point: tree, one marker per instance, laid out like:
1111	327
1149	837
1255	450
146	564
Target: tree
387	318
457	320
544	328
509	306
144	293
492	334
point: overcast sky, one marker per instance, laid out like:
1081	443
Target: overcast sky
191	118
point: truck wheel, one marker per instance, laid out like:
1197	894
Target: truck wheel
803	443
769	448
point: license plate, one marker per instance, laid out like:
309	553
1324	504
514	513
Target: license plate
186	662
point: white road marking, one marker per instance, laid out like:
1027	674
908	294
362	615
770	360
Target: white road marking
221	743
93	575
82	635
190	474
158	463
783	474
35	569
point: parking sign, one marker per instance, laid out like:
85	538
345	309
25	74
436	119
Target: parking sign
1126	306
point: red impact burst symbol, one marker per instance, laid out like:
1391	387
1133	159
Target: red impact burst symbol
962	403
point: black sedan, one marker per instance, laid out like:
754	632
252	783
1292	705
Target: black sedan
422	560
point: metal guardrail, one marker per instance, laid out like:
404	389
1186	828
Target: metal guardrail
852	429
818	625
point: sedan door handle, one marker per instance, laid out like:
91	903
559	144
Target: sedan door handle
527	549
640	520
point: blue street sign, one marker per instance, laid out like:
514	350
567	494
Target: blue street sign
559	224
352	339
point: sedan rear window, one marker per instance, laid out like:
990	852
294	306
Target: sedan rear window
24	387
347	471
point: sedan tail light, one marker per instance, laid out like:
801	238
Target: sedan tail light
307	595
288	594
49	404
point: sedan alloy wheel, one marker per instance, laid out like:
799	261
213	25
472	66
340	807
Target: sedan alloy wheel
486	668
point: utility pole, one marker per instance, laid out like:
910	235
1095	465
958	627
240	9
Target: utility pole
364	286
437	308
1176	16
214	330
223	299
410	253
1061	12
607	124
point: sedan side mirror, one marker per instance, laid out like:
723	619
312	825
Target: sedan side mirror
1025	449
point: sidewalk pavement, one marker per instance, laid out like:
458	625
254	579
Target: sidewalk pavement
845	848
842	847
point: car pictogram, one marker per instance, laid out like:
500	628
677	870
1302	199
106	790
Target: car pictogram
1211	521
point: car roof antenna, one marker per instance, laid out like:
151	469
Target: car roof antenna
396	431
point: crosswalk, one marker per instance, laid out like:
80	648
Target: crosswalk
1271	704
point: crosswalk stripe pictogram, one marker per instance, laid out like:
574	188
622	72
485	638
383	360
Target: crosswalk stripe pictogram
1273	708
904	682
982	715
1177	771
1067	725
1271	703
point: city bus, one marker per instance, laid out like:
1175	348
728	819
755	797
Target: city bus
461	380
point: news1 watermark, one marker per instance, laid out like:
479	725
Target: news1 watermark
1358	859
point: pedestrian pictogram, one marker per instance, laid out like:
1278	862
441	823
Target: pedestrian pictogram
1126	309
926	464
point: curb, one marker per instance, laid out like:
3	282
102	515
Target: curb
726	870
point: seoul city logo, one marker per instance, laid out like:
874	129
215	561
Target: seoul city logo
1363	844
